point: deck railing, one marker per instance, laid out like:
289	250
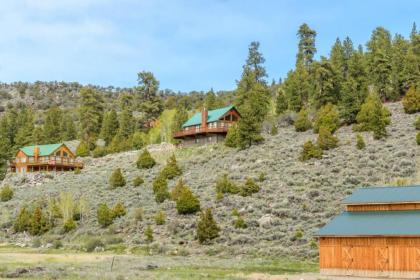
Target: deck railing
216	127
58	161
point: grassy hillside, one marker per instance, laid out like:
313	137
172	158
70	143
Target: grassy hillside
295	200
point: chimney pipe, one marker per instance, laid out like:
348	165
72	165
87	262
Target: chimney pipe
204	116
36	153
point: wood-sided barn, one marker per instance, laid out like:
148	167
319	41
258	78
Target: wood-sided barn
378	235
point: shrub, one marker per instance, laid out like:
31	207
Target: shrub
418	138
148	233
82	150
69	225
411	101
328	118
417	123
104	215
262	177
274	130
249	187
207	228
99	151
6	193
38	222
57	244
360	142
77	171
326	140
160	218
171	170
138	181
117	179
145	160
160	189
118	210
224	185
138	214
23	221
138	140
310	151
232	137
302	122
373	116
239	223
187	202
176	191
93	243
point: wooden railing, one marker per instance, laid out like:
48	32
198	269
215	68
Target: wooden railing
219	127
59	161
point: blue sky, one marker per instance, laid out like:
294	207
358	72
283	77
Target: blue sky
188	45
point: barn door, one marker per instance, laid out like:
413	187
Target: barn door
382	260
347	259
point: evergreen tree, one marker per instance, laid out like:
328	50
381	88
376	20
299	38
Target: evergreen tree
207	228
281	103
325	90
328	118
109	126
306	48
187	202
171	170
338	63
145	160
117	179
126	124
297	88
68	129
104	215
411	101
160	189
310	151
91	113
181	116
231	139
82	149
53	124
360	142
399	56
210	101
23	220
326	140
150	103
38	135
302	122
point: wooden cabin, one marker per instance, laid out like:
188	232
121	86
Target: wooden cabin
51	157
207	127
378	235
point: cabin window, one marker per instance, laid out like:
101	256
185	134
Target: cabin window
31	159
65	154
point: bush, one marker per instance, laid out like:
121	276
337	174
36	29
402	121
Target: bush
6	193
176	191
138	140
411	101
302	122
138	214
224	185
207	228
57	244
187	202
138	181
145	160
417	123
310	151
69	225
118	210
171	170
117	179
82	150
360	142
160	189
262	177
249	187
239	222
77	171
93	243
326	140
418	138
99	151
328	118
38	222
148	233
274	130
160	218
232	137
23	221
104	215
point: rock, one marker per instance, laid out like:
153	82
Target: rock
265	221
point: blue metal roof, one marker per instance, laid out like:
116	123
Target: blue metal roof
213	115
373	223
384	195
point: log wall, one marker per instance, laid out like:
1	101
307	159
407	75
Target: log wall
383	207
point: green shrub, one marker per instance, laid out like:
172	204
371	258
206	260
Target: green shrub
99	151
187	202
117	179
6	193
171	170
302	122
328	118
82	150
138	214
207	228
249	187
418	138
224	185
93	243
138	181
57	244
160	218
145	160
417	123
310	151
411	101
262	177
326	140
138	140
38	222
69	225
148	233
176	191
232	137
118	210
160	189
23	221
274	130
360	142
77	171
104	215
239	223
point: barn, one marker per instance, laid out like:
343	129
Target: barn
377	235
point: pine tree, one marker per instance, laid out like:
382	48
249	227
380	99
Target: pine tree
117	179
399	55
231	139
171	170
306	48
23	220
187	202
145	160
160	189
91	113
126	124
281	103
38	135
181	116
310	151
360	142
104	215
325	91
302	122
338	63
52	125
411	101
109	126
328	118
82	150
210	100
207	228
150	103
326	140
68	129
297	88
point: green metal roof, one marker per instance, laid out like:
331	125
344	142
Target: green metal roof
213	115
384	195
374	223
44	150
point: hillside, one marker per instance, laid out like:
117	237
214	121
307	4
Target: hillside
296	197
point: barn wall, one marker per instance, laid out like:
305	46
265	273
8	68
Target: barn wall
380	254
383	207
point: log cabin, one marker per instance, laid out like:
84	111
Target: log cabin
51	157
378	235
207	127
